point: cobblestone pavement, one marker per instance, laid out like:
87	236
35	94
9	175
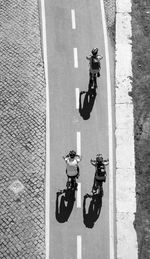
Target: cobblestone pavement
110	10
22	132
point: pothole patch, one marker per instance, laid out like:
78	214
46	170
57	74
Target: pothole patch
16	187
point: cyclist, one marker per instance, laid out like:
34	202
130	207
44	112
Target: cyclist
72	160
100	173
94	61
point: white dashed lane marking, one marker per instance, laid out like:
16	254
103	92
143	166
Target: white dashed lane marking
73	19
79	143
79	247
79	196
75	52
77	98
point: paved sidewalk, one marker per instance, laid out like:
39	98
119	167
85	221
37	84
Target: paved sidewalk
22	132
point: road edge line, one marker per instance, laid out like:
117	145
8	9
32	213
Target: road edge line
47	176
110	131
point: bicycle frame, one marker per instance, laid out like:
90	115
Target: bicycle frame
93	81
71	182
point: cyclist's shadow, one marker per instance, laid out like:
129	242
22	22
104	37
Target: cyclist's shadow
92	213
64	205
86	105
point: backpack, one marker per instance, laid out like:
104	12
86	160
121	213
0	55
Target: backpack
95	64
100	173
101	169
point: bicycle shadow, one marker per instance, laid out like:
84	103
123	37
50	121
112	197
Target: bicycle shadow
86	105
93	211
64	207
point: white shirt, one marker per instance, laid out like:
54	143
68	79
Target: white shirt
72	165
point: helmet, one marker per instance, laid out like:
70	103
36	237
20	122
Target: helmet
94	51
99	158
72	153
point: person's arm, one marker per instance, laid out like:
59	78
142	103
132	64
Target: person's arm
100	57
78	158
88	58
65	158
93	162
106	162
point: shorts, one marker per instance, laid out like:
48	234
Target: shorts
73	173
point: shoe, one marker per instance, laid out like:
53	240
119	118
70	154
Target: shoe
94	192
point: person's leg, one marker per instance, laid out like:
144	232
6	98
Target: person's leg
74	183
90	80
94	188
101	188
78	170
98	74
95	81
68	182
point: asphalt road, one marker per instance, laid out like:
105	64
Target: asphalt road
78	230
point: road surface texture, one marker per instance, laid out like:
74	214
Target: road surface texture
68	222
